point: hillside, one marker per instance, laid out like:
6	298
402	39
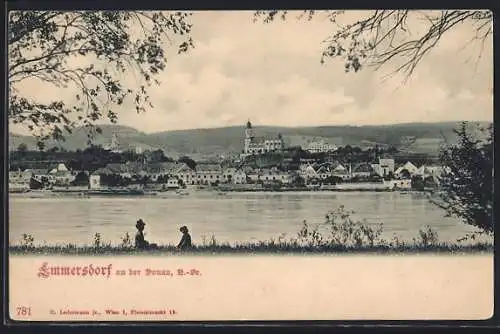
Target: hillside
202	142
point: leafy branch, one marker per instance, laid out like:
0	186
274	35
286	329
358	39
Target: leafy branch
384	36
89	53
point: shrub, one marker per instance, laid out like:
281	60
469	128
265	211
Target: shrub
427	237
126	241
27	241
208	242
97	240
344	231
309	236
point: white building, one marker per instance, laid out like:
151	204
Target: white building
341	172
177	170
61	175
173	183
363	170
384	167
184	173
20	176
253	176
319	147
425	171
409	167
324	171
234	175
433	173
307	172
254	147
208	174
19	181
270	176
95	181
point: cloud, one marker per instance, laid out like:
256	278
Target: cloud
271	73
215	99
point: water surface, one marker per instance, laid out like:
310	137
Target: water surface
235	217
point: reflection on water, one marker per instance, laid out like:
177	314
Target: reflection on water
234	217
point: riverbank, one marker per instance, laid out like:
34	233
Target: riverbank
255	248
118	193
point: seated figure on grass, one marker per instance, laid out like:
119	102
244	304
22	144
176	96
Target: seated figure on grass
140	242
185	242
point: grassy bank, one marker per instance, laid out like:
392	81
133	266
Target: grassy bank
264	248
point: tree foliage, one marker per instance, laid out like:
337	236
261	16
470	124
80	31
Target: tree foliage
88	53
188	161
468	181
384	36
158	156
81	179
22	148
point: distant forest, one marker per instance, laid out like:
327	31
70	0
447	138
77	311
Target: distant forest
95	157
412	137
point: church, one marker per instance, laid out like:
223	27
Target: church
114	145
252	146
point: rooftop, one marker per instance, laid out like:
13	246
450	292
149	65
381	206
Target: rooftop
363	168
208	168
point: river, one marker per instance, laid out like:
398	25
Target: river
234	217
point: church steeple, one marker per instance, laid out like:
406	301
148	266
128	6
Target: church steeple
249	137
114	141
249	131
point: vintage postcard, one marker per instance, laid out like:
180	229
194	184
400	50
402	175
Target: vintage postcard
250	165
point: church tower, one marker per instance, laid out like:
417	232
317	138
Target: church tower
114	141
249	136
281	144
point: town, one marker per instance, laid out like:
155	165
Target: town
265	164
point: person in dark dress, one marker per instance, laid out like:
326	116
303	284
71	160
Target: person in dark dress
185	242
140	242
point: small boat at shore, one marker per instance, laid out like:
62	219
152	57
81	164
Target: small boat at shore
18	191
70	190
364	186
182	192
39	193
116	192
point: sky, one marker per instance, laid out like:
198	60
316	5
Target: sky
272	75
